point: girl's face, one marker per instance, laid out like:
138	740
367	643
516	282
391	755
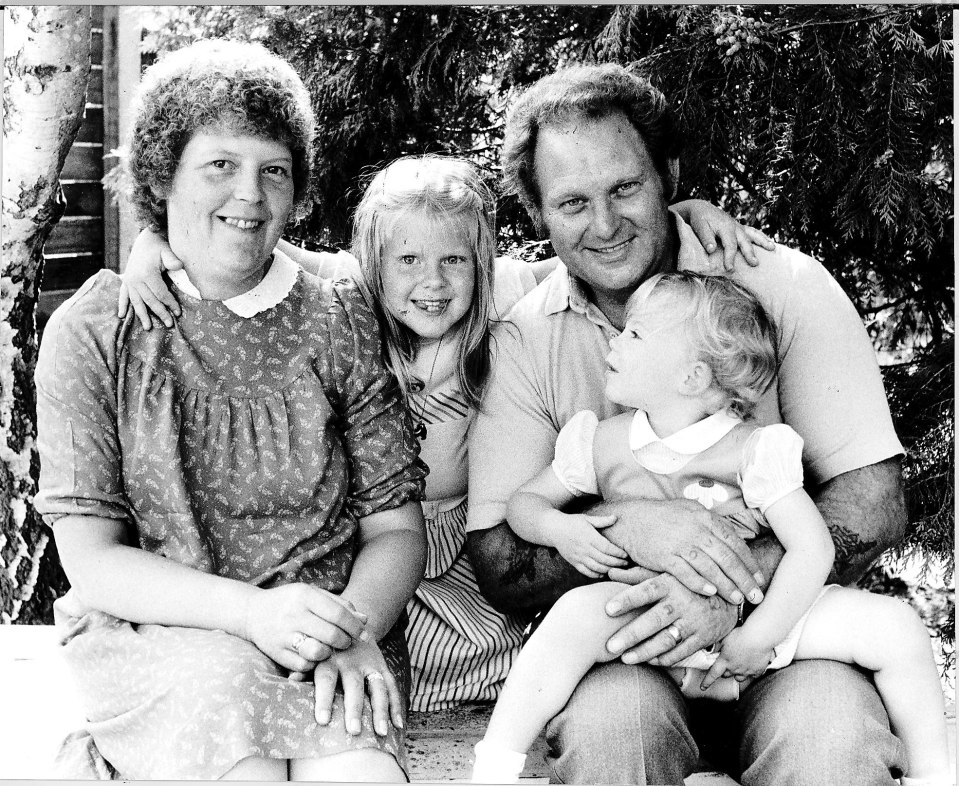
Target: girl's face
648	361
428	272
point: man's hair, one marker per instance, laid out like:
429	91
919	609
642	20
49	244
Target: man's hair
220	85
594	92
728	327
452	191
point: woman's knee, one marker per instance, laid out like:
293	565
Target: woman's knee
255	768
816	722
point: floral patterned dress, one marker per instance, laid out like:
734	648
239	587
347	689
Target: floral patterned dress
247	446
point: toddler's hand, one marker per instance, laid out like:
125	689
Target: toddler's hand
741	657
587	550
142	285
713	226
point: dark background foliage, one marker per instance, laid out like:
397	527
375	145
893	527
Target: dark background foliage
828	126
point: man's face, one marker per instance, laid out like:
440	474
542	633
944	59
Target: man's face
603	205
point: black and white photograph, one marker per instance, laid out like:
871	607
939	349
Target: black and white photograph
478	393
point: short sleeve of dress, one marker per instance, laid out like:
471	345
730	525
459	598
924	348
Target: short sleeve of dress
772	466
512	278
385	469
77	406
573	460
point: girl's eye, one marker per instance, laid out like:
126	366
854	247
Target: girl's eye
455	260
408	260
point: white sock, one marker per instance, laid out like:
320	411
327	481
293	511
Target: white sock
495	764
940	780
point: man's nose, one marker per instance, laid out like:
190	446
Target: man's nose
605	219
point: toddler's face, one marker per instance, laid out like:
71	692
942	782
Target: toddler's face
428	273
649	359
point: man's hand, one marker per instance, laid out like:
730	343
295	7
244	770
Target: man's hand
670	610
681	537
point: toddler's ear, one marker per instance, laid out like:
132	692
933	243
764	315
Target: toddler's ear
697	380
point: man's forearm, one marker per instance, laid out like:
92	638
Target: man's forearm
518	577
865	511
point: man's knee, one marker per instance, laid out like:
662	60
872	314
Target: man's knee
623	724
817	722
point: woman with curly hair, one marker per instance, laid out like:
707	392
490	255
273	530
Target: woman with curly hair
235	500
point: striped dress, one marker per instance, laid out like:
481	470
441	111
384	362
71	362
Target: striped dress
461	648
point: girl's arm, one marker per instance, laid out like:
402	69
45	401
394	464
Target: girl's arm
801	574
713	225
109	574
534	510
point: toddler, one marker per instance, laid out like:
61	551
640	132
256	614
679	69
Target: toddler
694	358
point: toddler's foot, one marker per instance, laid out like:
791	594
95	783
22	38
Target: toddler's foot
495	764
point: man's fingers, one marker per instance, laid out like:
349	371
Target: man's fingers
699	577
643	594
633	575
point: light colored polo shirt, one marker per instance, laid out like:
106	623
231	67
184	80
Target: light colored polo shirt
549	363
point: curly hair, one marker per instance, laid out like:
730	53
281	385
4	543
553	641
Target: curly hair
452	190
729	328
241	87
595	92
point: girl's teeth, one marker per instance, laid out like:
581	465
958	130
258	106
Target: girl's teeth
432	306
241	223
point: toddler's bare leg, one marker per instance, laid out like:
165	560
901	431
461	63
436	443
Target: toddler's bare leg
887	637
569	641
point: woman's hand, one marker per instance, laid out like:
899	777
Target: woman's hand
299	625
142	285
741	657
579	542
362	671
714	226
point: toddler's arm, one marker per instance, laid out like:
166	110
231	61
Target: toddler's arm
534	514
795	585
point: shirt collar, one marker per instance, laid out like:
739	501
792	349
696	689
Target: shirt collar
567	292
271	290
688	441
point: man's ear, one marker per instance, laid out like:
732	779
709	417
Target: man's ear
673	185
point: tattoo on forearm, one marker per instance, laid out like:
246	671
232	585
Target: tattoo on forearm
850	547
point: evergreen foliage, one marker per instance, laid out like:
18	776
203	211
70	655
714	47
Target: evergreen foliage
829	126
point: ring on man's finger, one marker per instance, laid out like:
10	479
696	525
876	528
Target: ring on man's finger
375	675
673	631
298	638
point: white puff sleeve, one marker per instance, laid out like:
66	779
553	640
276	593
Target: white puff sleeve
772	465
573	461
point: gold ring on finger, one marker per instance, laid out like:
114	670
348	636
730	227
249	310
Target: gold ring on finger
298	638
673	631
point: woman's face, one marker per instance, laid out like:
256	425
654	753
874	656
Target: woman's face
428	271
229	201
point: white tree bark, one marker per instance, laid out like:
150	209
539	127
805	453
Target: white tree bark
46	64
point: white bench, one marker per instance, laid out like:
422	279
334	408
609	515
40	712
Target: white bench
40	708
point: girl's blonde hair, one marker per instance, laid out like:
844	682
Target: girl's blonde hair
452	190
728	327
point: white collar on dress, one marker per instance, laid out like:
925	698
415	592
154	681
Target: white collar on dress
689	441
271	290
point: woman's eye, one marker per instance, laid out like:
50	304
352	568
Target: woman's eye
277	171
220	163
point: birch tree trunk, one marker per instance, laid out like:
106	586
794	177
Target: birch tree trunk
45	69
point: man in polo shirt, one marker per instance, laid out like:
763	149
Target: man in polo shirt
592	152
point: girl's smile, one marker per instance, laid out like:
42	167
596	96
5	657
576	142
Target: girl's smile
428	273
